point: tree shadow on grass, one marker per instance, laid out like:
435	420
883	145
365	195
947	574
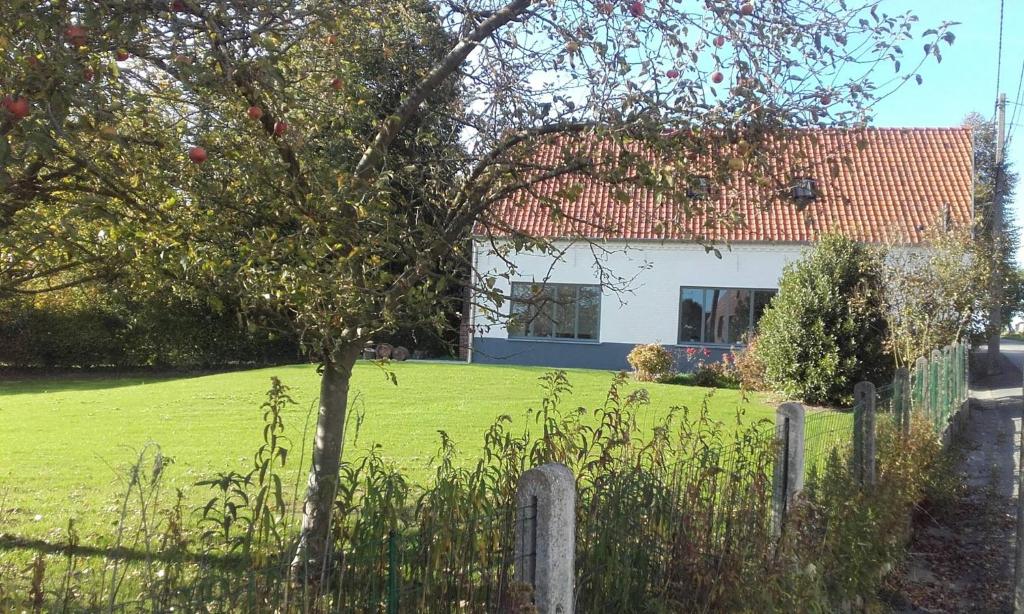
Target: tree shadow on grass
41	381
12	543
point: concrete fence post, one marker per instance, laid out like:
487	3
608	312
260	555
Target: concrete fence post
921	379
865	397
788	478
545	538
926	373
901	398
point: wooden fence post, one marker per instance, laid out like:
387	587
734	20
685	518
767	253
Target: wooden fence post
545	548
865	397
788	478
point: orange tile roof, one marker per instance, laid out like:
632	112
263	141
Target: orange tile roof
877	185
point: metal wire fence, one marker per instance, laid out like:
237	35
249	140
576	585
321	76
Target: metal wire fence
827	432
939	384
675	529
466	566
642	530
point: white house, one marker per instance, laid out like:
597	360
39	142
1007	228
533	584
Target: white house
640	280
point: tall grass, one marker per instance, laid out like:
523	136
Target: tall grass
670	519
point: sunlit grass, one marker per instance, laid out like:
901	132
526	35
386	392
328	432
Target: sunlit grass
63	440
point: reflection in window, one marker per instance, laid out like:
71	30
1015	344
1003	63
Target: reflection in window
555	311
723	316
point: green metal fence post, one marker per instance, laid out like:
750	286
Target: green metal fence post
933	389
966	369
393	572
954	370
947	405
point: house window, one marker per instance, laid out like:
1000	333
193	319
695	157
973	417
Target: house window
721	316
699	188
805	190
555	311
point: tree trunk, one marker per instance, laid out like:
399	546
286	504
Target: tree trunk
312	555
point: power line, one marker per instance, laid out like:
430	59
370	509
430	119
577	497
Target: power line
999	55
1016	104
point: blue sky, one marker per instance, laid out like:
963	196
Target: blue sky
965	81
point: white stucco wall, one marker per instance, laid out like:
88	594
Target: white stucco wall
647	311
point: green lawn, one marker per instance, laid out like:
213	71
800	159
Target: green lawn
63	440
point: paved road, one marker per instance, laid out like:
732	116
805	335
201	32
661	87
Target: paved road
1014	350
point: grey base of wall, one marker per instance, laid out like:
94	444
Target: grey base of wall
567	355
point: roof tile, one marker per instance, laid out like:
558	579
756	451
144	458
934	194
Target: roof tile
898	180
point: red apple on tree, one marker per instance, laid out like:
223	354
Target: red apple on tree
747	8
719	41
717	77
825	100
672	73
178	6
197	155
76	35
605	8
336	84
332	39
636	9
254	112
18	107
280	128
121	55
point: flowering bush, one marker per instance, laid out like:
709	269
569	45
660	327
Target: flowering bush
650	362
720	374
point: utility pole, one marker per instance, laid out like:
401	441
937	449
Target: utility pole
995	314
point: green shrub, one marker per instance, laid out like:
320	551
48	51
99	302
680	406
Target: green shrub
97	327
825	330
650	362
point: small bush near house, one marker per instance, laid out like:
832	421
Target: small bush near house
749	367
826	330
710	374
650	362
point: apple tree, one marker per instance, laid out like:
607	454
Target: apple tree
326	161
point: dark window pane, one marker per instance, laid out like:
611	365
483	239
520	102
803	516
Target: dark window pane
519	313
761	300
691	315
543	324
564	310
555	311
731	316
588	306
